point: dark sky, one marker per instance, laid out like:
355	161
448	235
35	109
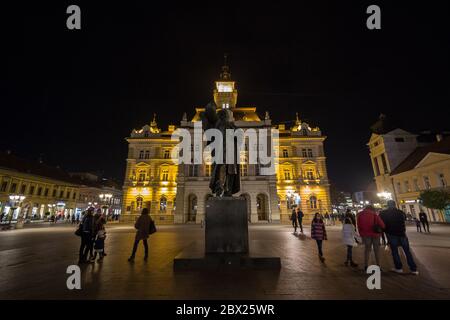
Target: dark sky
75	95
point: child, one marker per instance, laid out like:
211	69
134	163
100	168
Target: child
418	226
99	244
348	237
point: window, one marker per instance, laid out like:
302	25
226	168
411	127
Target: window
141	154
61	194
313	202
287	174
54	193
68	194
442	180
31	191
162	204
304	132
285	153
74	196
407	188
139	202
166	154
142	176
427	183
375	144
399	139
416	184
193	170
46	192
309	174
165	175
39	191
399	187
23	189
310	153
377	166
4	186
13	187
147	154
383	160
304	153
307	153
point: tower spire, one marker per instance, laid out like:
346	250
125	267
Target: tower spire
225	74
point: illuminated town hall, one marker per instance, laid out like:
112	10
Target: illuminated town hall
177	193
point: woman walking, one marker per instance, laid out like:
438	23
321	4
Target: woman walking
142	226
318	233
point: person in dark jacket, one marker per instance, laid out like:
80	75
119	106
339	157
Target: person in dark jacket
294	220
300	216
87	235
424	220
142	226
318	233
418	226
395	229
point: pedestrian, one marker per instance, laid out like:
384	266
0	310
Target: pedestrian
73	219
294	220
370	227
87	233
300	216
394	220
348	237
327	219
418	226
142	226
424	220
318	233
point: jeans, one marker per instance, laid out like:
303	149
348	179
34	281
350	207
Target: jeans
349	253
403	242
370	242
319	246
300	223
426	226
136	242
294	224
86	245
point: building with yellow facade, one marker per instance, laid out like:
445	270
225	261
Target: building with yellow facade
177	193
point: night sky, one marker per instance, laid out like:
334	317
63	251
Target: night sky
74	96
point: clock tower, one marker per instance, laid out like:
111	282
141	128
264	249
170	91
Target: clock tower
225	94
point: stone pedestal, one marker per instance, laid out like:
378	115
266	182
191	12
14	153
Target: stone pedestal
226	240
226	228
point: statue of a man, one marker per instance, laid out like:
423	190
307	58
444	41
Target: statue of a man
225	177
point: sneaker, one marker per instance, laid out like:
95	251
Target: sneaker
397	270
416	273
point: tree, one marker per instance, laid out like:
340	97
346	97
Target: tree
435	199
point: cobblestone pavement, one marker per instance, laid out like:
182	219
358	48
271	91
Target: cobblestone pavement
33	264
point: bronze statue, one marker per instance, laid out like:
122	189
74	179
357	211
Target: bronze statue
225	177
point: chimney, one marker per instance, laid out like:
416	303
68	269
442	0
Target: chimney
439	137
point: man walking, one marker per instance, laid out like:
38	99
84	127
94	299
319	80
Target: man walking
294	220
300	219
394	220
424	220
370	227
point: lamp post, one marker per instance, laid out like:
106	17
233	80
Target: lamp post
105	198
15	200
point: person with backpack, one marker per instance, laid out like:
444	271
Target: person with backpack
142	227
370	228
318	233
394	220
86	229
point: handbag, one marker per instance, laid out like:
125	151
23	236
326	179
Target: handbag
152	228
376	227
79	230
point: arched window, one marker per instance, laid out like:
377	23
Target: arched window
309	174
166	154
313	202
287	174
165	175
139	202
162	204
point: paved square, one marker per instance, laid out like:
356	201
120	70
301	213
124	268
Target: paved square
33	264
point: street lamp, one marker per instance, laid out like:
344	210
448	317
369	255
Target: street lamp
15	200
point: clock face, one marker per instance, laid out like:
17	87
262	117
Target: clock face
224	87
